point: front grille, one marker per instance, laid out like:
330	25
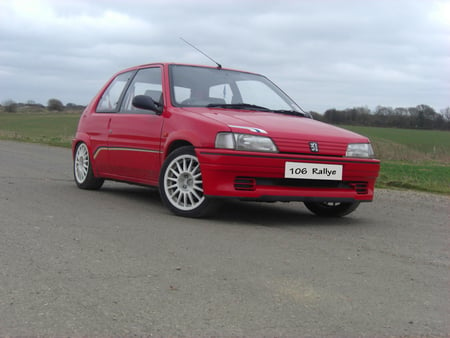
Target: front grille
360	187
301	146
292	182
245	183
250	184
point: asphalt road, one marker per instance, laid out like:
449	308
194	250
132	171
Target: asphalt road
116	262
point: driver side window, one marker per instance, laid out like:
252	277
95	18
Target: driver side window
146	82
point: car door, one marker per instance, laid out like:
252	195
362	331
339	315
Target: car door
98	126
134	136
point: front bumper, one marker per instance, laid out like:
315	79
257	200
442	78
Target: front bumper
260	176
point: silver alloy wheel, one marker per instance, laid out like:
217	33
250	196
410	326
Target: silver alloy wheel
183	183
81	163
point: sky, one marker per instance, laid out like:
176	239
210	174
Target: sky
323	53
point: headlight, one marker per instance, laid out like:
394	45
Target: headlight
361	150
246	142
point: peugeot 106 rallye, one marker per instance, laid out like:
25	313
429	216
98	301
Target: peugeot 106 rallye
201	134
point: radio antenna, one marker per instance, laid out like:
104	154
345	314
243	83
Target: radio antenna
219	66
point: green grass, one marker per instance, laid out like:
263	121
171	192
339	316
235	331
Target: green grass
410	159
55	129
431	177
408	144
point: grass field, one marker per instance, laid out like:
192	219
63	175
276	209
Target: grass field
408	144
52	128
411	159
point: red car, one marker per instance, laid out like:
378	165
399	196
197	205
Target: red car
201	133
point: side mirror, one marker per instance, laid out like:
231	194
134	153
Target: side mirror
145	102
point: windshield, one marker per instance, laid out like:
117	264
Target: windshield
193	86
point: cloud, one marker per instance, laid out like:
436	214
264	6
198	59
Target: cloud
324	54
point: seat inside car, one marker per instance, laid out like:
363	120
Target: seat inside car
156	95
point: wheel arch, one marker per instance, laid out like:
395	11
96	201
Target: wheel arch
79	138
177	144
174	145
84	138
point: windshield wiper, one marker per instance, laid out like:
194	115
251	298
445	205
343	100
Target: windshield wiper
238	106
291	112
257	108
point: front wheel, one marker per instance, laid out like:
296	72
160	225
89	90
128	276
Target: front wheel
332	209
181	185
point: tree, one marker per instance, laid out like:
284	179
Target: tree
446	118
426	116
446	114
55	105
317	116
71	105
10	106
332	116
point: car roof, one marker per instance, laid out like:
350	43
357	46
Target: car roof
180	64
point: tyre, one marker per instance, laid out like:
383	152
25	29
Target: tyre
82	169
181	185
332	209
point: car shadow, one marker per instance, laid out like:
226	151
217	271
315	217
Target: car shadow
233	211
278	215
136	193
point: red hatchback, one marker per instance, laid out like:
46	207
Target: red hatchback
203	133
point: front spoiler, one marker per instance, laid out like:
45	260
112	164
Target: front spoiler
221	168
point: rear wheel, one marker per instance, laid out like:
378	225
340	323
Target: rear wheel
181	185
332	209
82	169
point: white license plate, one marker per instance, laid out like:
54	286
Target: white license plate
313	171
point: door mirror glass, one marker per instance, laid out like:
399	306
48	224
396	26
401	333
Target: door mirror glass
144	102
